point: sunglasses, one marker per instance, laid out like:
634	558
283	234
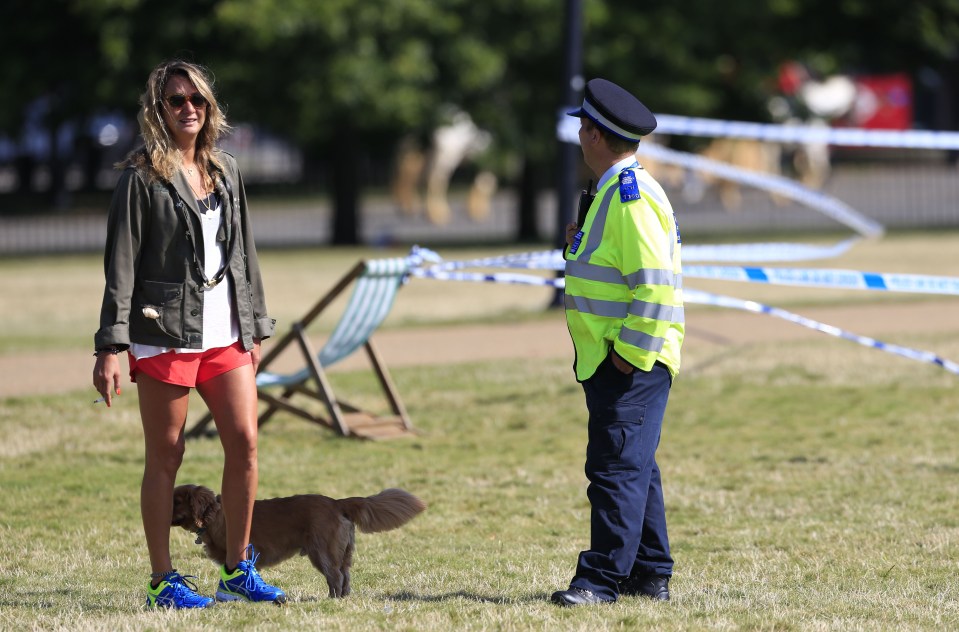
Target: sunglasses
179	100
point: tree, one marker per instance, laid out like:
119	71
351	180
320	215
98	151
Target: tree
75	60
519	105
347	79
344	79
702	58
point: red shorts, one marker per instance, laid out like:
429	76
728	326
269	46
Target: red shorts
190	369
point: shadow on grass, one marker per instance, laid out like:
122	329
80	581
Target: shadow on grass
462	594
39	600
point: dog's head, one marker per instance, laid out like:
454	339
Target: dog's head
194	507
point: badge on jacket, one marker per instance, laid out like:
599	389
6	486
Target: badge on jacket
577	240
628	186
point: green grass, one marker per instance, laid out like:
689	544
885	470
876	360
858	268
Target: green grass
794	503
810	485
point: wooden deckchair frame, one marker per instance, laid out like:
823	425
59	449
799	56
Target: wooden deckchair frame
342	417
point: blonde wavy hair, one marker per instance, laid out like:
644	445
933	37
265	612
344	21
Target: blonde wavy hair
159	155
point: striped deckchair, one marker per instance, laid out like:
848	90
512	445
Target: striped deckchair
375	285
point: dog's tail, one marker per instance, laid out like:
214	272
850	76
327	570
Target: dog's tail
390	509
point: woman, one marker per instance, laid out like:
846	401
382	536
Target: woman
184	297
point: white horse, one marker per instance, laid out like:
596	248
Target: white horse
452	144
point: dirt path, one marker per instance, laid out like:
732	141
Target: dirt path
57	372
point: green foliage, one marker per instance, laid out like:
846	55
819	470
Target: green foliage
385	68
345	80
397	63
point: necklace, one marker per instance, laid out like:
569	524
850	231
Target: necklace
204	201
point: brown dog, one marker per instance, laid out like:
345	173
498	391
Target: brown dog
317	526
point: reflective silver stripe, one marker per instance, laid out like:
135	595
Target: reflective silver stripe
605	274
656	311
641	340
595	306
679	282
650	276
615	309
679	314
651	192
592	272
598	226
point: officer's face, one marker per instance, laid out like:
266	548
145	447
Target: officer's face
587	139
583	130
585	126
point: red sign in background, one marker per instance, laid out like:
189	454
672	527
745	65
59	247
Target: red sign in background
882	102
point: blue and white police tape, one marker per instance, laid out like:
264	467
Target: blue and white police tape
705	298
811	277
828	278
497	277
764	252
567	130
777	185
537	260
740	253
836	136
803	277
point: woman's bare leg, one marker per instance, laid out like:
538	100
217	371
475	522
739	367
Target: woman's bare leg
231	397
163	409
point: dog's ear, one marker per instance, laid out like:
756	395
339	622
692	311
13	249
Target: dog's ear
203	501
213	509
181	506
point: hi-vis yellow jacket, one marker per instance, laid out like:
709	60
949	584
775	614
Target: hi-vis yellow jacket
624	278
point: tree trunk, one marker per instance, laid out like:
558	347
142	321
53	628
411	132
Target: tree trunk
59	193
346	189
25	166
526	229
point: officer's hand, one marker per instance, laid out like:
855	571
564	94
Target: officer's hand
622	365
571	230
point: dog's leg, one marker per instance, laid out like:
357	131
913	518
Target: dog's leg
345	567
334	578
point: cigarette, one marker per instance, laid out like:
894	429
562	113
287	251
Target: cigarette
99	400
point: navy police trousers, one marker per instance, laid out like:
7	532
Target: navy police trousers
628	518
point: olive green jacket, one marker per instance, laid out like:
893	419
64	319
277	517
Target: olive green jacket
154	288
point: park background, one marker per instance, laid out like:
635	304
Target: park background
811	481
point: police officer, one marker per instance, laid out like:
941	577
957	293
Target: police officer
624	310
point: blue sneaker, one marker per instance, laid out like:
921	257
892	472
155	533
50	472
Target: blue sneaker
176	591
245	583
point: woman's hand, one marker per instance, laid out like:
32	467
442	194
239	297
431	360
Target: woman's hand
106	376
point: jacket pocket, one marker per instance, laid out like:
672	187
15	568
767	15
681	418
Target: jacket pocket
158	309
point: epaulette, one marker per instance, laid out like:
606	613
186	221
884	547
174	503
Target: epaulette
628	186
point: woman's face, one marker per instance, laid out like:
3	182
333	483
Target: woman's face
184	117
